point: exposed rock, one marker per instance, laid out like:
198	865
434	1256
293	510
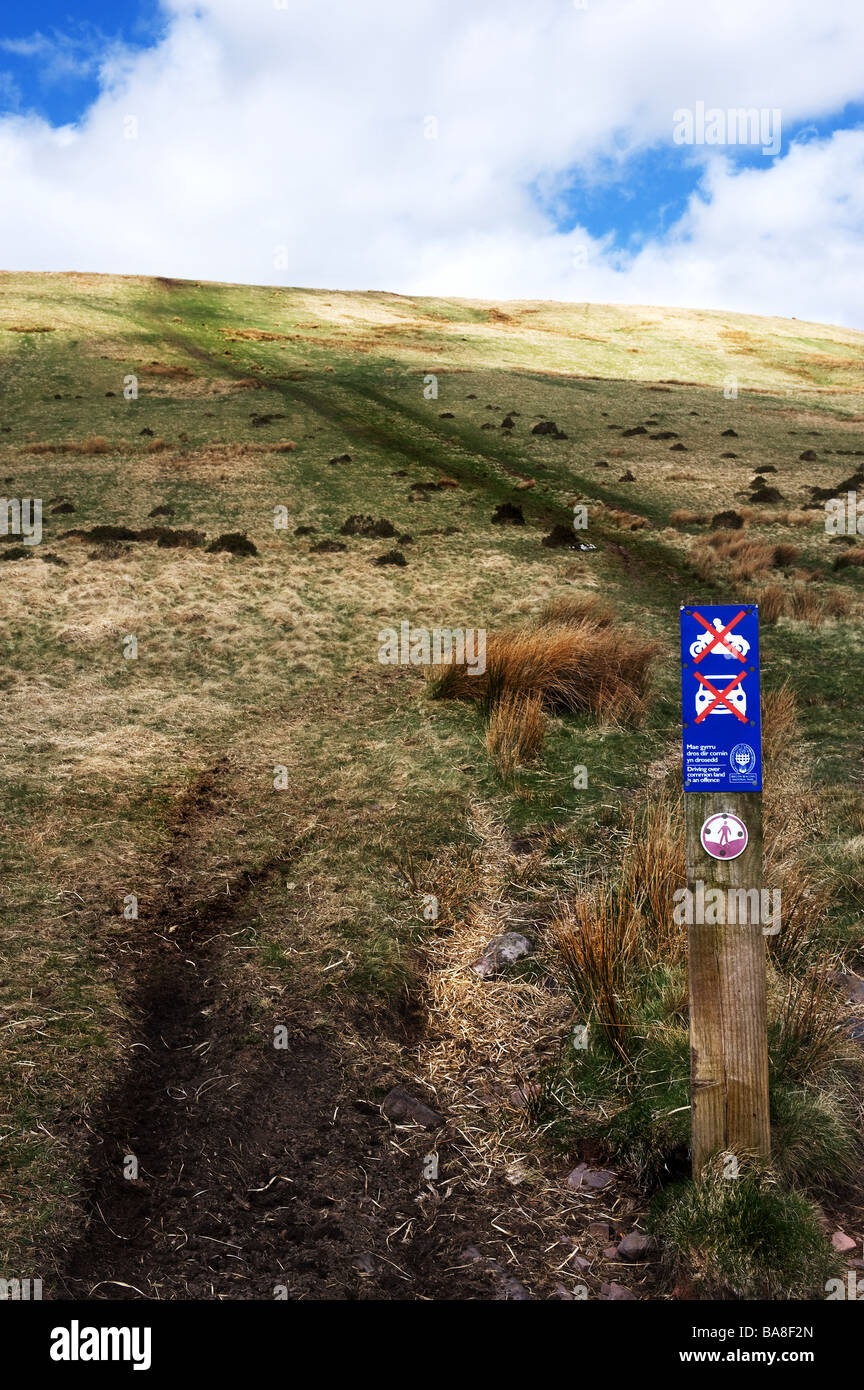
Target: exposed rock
502	951
842	1242
808	456
402	1108
522	1096
512	1289
635	1246
729	434
852	985
583	1176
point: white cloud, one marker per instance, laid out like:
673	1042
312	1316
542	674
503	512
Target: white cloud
302	128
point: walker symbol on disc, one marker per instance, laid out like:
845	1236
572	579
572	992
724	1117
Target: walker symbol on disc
724	836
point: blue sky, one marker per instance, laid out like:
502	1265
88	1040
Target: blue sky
287	140
51	50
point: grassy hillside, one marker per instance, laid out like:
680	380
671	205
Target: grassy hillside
279	807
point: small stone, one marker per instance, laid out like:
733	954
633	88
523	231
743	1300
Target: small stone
513	1290
599	1178
501	951
365	1263
401	1108
635	1246
852	985
599	1230
583	1176
581	1261
561	1292
611	1252
522	1096
616	1293
842	1242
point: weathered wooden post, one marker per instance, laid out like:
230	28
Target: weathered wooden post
723	814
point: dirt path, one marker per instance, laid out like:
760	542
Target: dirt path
260	1172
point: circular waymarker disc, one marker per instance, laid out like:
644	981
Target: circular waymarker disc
724	836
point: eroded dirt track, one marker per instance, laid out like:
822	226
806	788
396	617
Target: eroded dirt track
260	1172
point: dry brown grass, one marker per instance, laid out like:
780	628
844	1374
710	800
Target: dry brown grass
854	556
613	927
686	518
585	666
747	557
93	444
806	605
772	602
838	603
596	938
569	610
779	720
514	734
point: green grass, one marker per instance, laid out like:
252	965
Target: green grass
272	660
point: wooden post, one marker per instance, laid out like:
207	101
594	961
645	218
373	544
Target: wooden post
728	1012
728	1015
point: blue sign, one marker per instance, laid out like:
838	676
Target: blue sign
722	725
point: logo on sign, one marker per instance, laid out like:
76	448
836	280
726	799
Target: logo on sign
724	836
742	763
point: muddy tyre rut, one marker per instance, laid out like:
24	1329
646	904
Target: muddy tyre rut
260	1172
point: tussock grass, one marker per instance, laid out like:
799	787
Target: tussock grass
779	720
772	602
514	733
808	604
586	666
